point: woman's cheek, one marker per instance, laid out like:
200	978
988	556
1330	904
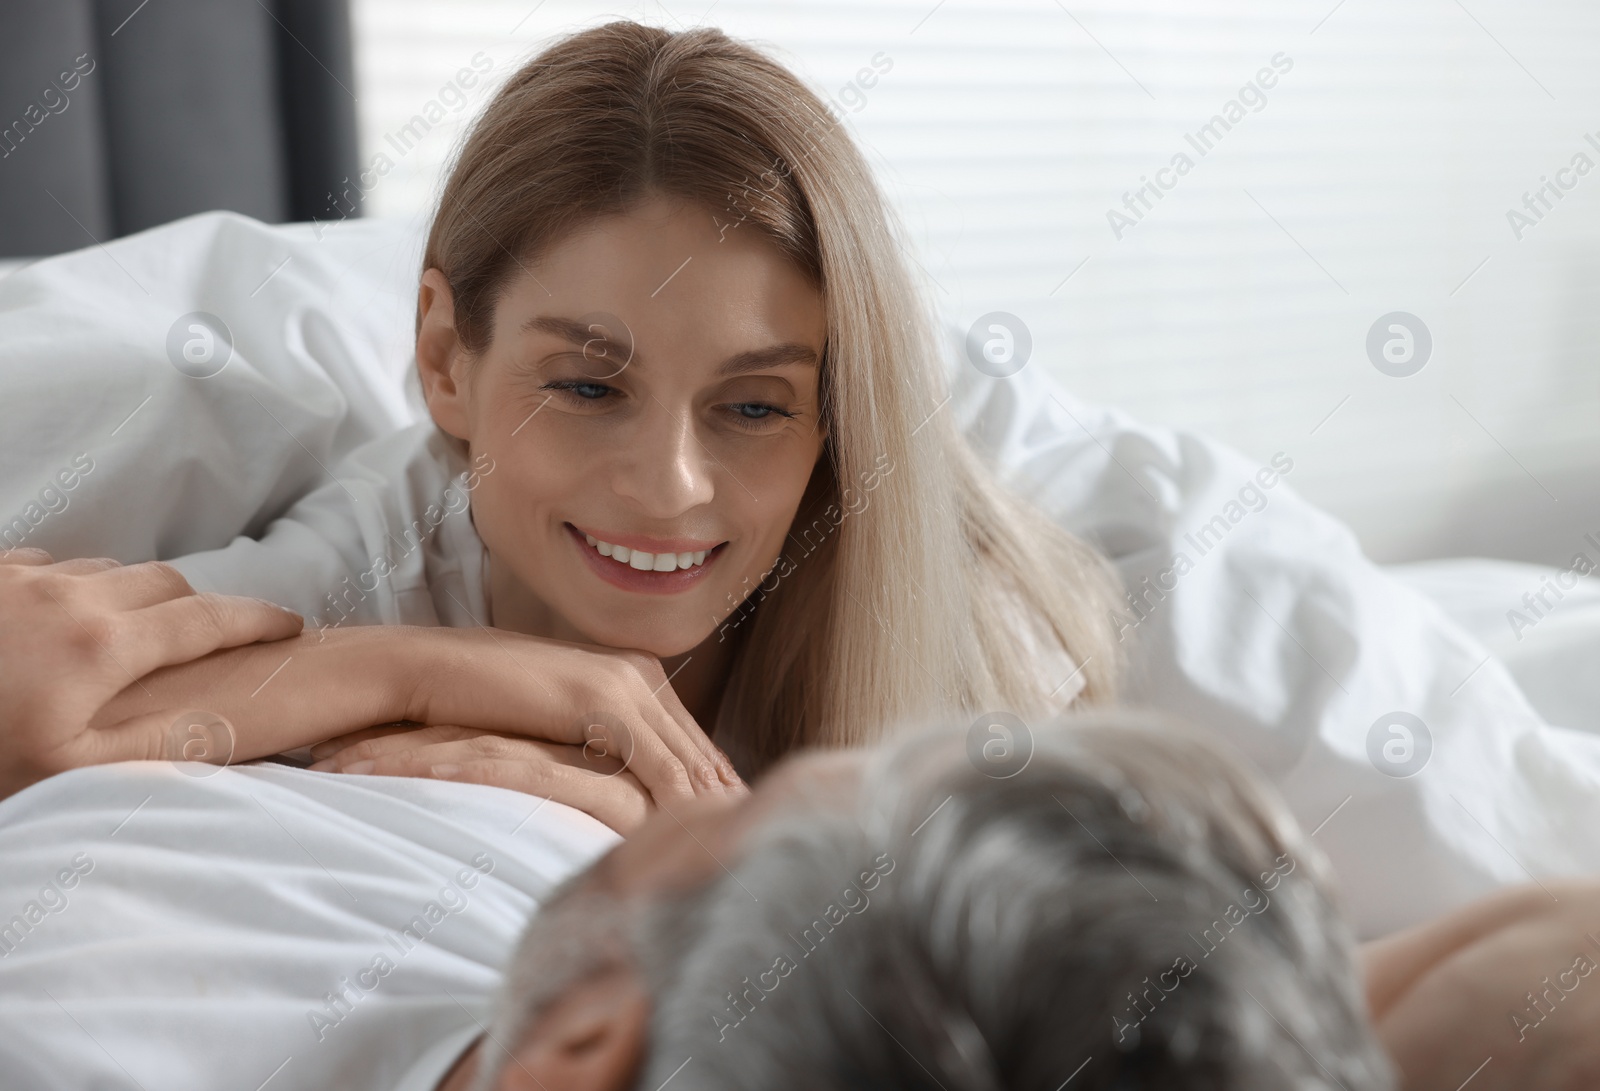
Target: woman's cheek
506	501
488	508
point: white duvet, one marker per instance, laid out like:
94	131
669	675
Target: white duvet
1259	617
181	927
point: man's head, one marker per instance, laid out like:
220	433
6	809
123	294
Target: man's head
1130	909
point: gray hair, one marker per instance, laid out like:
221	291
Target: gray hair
1131	909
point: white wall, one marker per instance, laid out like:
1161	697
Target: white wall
1376	177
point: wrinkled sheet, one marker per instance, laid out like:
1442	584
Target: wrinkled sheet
1274	631
1277	633
1543	623
179	926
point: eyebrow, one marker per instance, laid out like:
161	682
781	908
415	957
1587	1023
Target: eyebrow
579	333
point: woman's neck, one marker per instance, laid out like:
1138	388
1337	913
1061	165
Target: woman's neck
698	676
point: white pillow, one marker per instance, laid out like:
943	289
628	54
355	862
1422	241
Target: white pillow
110	450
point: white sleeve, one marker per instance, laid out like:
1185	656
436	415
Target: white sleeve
388	540
1274	631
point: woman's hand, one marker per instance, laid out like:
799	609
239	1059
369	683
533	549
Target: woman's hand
601	701
587	777
328	683
636	748
75	634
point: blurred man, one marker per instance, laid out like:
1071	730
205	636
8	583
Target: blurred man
1117	906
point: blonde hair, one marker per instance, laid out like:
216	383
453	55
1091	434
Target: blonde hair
911	583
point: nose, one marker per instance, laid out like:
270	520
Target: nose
665	469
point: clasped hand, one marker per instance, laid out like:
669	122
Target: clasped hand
98	661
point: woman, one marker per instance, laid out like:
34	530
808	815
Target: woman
675	364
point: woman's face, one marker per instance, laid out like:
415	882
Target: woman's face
649	399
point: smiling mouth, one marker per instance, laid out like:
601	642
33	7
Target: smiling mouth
646	562
643	571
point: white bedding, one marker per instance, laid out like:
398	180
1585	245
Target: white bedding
1279	634
187	928
1551	646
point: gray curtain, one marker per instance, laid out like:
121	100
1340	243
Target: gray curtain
116	115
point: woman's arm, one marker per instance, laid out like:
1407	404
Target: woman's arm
286	694
100	663
316	686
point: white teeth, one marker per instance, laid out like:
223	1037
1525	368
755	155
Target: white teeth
647	562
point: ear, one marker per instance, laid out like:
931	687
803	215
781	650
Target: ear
441	360
591	1039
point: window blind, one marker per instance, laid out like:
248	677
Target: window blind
1200	211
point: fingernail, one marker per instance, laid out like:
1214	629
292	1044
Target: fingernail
366	765
323	766
285	609
446	772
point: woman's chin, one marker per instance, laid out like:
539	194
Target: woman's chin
663	643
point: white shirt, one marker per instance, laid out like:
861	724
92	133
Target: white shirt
186	927
388	541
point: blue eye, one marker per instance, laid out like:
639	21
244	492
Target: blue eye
754	416
589	392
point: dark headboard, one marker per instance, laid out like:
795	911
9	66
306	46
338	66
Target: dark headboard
116	115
